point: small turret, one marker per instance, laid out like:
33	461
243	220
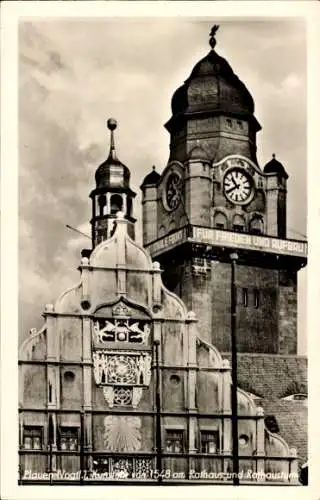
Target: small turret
276	198
149	205
111	195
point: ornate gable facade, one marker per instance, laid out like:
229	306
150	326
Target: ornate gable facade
119	380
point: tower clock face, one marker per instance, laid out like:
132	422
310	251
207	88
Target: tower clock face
238	186
173	191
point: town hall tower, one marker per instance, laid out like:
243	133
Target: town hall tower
213	198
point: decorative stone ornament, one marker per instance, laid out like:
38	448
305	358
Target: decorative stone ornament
121	330
122	433
111	368
49	308
122	375
121	310
120	369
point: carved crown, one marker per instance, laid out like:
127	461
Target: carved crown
121	311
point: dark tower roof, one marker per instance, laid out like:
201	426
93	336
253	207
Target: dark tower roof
275	167
152	178
212	84
112	173
212	87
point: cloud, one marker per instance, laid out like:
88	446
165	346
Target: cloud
292	82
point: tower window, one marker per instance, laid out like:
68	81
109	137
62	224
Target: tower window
240	124
209	442
256	298
115	204
174	441
33	437
68	439
245	297
220	221
256	226
229	123
238	224
102	201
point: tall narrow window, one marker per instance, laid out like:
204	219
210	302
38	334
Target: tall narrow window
209	442
174	441
256	298
102	201
50	393
245	297
33	437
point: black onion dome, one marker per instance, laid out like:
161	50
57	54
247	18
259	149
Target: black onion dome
112	173
212	84
275	167
152	178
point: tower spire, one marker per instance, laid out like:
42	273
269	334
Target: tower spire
112	125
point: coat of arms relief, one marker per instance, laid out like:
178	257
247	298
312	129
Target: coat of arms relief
119	367
122	368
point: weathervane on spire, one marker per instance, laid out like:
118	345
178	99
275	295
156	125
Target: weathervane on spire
213	32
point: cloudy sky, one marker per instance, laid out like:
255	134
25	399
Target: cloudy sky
75	74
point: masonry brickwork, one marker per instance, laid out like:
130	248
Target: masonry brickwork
272	378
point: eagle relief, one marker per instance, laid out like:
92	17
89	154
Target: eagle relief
120	330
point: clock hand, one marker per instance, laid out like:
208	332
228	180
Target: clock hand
235	182
231	189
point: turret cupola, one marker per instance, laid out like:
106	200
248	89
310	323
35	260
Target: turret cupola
275	167
111	195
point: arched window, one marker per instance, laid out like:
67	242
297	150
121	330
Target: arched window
238	224
220	221
115	203
102	201
256	225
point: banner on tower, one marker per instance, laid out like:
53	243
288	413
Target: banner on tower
249	241
223	238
